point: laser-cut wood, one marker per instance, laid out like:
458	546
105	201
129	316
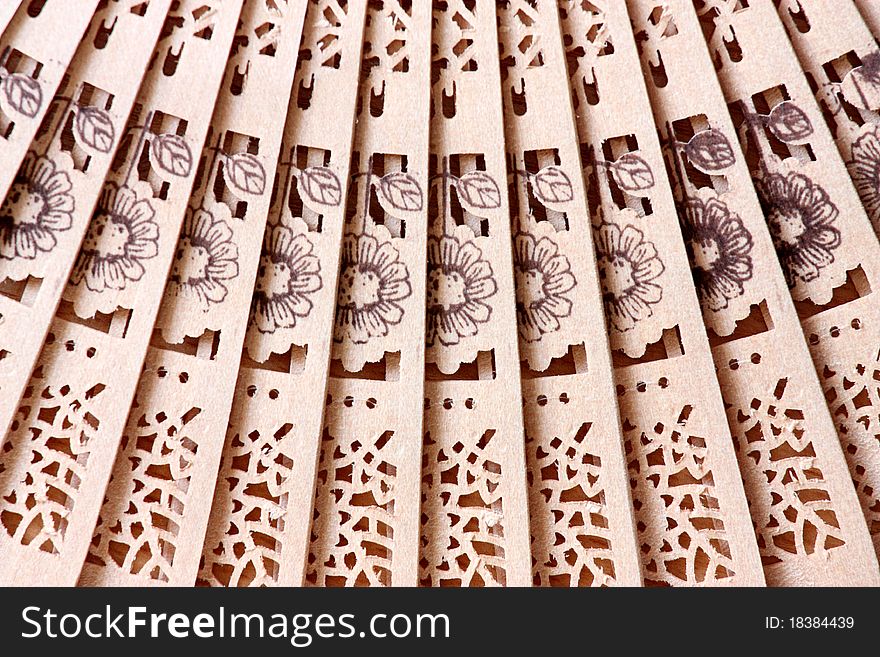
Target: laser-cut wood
569	407
35	49
53	196
782	432
93	354
669	429
365	527
278	407
473	472
207	301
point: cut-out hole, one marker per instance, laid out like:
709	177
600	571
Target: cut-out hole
293	361
573	362
758	321
856	287
24	292
668	346
205	347
115	324
482	368
386	368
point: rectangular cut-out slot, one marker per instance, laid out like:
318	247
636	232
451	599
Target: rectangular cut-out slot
683	130
98	102
573	362
128	139
231	169
58	104
114	324
456	173
293	361
749	118
17	63
381	166
204	347
667	347
482	368
24	292
304	160
856	287
612	150
758	321
386	368
526	172
162	128
836	71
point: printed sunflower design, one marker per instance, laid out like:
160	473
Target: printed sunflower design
719	246
371	282
288	275
542	277
206	256
864	169
38	205
801	217
459	281
121	237
628	269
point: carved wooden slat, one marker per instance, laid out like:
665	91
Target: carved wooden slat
802	502
35	50
570	410
71	413
259	531
365	529
184	396
48	209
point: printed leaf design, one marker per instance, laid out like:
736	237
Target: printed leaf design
552	185
95	129
790	123
23	94
710	151
632	174
319	186
172	154
861	86
246	173
478	191
400	191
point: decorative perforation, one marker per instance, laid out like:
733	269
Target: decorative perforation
146	499
571	540
43	461
588	37
678	517
321	47
353	529
797	515
252	491
462	513
853	395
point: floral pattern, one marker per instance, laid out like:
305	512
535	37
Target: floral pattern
289	274
543	276
628	269
459	282
122	235
801	217
38	205
371	283
719	246
864	169
206	257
